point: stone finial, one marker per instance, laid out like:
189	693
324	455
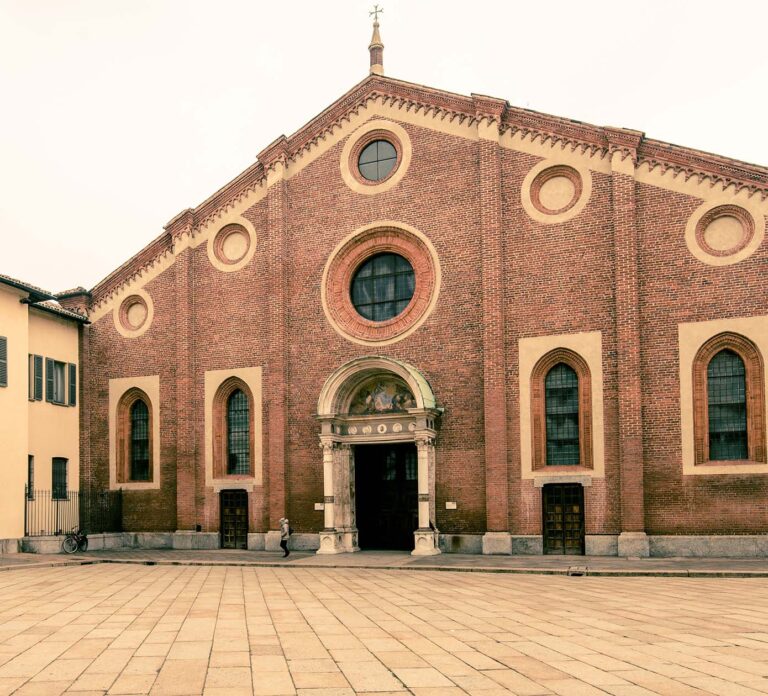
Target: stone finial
376	48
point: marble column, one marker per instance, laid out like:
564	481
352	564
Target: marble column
339	534
425	537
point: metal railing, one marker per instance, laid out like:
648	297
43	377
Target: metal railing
94	512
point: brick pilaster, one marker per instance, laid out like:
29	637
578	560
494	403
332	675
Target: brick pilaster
489	111
277	213
186	469
623	150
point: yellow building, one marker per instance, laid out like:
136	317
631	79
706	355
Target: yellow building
39	412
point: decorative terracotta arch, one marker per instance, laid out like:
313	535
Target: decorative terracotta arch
220	399
755	387
538	407
124	405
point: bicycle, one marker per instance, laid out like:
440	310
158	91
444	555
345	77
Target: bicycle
75	541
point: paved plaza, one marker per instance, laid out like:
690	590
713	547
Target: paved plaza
179	629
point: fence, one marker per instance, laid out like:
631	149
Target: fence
94	512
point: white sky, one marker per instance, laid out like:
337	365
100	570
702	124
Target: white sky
115	115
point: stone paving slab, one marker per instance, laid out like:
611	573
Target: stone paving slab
11	561
397	560
190	630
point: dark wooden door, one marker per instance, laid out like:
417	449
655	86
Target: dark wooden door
563	508
234	519
386	495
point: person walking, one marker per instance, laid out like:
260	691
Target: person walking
285	534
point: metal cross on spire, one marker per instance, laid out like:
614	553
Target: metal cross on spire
376	48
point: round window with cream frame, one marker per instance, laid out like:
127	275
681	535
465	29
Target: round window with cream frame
556	191
233	244
133	316
723	232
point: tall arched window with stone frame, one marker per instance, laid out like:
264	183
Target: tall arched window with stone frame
561	403
729	401
233	431
134	437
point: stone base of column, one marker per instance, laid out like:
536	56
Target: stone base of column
425	543
497	543
333	541
634	544
272	541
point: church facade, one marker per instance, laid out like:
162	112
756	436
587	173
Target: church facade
437	322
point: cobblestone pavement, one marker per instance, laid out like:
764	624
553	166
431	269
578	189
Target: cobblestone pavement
167	629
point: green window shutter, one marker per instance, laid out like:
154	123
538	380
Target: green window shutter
38	377
72	384
3	361
30	377
48	379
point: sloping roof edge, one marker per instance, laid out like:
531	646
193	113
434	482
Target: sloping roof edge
416	96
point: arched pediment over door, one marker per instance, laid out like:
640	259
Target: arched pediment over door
377	399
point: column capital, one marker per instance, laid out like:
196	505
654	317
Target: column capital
330	443
424	440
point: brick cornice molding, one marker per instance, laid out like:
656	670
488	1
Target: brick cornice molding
278	151
623	141
704	166
489	109
181	224
150	256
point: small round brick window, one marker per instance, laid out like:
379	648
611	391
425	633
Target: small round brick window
556	190
133	312
231	244
380	284
725	230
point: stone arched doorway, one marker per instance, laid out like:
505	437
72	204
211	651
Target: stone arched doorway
369	401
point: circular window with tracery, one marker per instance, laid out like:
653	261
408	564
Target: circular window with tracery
377	160
383	286
375	157
380	284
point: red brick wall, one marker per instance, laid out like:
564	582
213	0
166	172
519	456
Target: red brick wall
438	196
554	279
559	280
112	356
675	288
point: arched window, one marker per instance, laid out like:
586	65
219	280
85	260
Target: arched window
233	431
728	401
139	441
561	405
561	397
238	433
727	404
134	437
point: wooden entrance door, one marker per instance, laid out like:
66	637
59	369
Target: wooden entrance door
234	519
386	495
563	507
